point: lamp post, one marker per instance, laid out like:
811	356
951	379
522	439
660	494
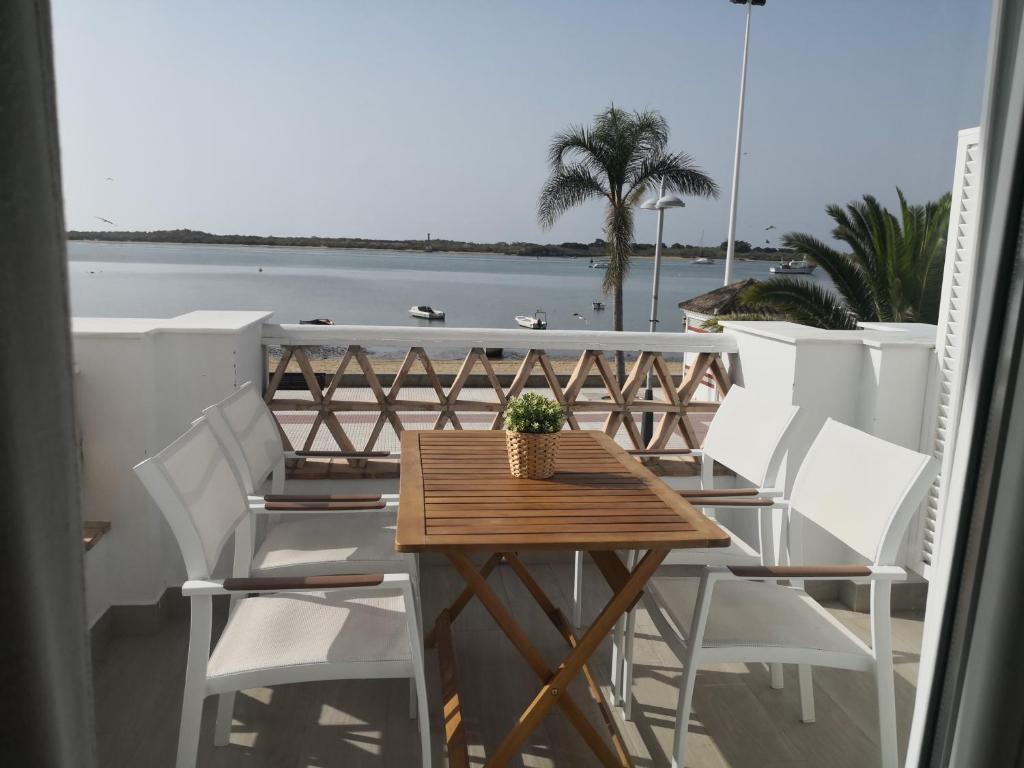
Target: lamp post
660	204
730	250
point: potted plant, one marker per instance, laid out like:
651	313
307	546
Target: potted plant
532	423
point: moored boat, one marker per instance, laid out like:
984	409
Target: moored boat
425	312
536	322
794	267
703	260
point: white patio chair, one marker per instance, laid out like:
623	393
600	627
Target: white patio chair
307	534
747	437
252	437
310	628
864	492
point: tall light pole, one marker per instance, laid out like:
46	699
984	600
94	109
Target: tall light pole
660	205
730	250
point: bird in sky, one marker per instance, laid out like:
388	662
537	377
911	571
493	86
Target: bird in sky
105	221
771	226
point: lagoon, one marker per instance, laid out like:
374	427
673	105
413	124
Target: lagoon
374	287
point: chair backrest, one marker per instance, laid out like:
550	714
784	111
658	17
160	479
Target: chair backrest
200	494
249	432
747	434
861	489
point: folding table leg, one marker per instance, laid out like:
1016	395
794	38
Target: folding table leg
566	631
625	594
463	599
503	617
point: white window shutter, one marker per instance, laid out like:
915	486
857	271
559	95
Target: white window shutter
961	246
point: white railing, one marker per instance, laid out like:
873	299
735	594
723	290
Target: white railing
330	409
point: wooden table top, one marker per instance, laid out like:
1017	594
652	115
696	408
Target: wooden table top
457	493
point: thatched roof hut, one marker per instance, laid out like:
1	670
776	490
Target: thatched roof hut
721	301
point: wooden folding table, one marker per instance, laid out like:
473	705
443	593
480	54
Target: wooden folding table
457	496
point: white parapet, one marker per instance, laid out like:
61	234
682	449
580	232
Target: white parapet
880	379
139	383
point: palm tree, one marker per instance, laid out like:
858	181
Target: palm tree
892	274
618	158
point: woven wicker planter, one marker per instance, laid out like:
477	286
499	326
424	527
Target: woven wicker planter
531	456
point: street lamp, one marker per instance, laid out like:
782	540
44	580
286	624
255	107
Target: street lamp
730	251
661	204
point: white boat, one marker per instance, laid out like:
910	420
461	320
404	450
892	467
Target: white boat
599	265
795	267
426	312
703	260
537	322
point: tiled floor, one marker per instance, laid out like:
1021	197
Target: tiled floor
738	720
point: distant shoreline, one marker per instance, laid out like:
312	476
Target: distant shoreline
593	251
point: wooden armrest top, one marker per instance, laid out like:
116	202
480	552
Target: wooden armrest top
798	571
328	506
718	493
92	532
312	497
343	454
658	451
275	583
729	501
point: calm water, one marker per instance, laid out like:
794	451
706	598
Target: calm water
372	287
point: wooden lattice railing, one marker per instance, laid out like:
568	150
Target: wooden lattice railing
327	403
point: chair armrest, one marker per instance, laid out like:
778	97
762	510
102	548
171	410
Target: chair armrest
319	506
819	572
663	451
336	454
730	501
269	584
717	493
321	498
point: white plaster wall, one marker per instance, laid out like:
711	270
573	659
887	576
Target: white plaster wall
139	384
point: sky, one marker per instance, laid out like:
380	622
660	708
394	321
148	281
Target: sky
392	119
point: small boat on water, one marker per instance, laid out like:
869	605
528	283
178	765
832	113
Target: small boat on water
317	321
795	267
598	306
703	260
599	265
537	322
426	312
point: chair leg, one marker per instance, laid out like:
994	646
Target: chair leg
420	685
225	709
777	678
806	674
881	642
577	590
887	713
195	681
695	640
627	666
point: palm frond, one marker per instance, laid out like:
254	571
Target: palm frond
680	173
566	188
802	302
845	273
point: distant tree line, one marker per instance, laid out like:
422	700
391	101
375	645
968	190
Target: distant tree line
595	250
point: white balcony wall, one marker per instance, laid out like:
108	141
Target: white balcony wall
139	384
879	379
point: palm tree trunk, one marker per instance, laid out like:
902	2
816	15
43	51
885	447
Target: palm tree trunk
620	356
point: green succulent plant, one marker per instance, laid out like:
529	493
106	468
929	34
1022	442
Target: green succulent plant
533	414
